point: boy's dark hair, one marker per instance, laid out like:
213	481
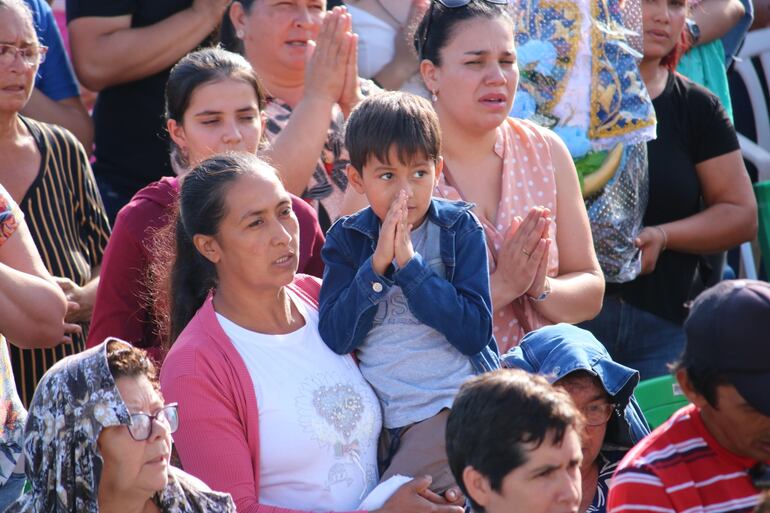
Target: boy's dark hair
392	119
439	22
495	419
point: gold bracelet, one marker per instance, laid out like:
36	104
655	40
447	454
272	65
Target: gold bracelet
665	237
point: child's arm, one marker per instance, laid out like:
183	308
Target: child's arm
349	295
350	291
461	310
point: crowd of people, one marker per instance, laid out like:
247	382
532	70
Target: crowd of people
352	260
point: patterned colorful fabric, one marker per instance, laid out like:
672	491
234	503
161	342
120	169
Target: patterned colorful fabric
587	89
9	215
579	77
12	413
609	460
75	400
329	181
527	181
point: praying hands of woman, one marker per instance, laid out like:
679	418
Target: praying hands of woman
522	261
332	70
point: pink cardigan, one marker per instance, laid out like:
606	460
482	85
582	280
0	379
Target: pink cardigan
218	435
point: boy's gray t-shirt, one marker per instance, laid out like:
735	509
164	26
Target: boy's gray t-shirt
412	367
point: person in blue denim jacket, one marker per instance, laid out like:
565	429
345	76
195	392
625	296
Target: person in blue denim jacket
406	283
572	358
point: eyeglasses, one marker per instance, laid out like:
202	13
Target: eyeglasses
140	428
421	39
30	55
597	414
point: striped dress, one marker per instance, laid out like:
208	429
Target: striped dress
65	215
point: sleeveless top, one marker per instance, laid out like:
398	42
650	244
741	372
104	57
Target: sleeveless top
528	181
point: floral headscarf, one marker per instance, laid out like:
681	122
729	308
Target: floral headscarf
74	401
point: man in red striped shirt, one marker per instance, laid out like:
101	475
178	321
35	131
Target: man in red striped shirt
711	456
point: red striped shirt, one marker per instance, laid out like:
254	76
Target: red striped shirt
681	468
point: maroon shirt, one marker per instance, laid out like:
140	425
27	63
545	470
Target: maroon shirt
121	308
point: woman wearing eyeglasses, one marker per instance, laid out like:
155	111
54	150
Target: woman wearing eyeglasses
98	439
520	176
602	390
46	171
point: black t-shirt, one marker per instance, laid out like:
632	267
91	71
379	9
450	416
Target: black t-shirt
692	127
131	145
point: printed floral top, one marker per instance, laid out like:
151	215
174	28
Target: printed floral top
75	400
609	459
329	181
12	414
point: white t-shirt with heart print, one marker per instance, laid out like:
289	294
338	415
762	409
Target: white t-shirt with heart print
319	420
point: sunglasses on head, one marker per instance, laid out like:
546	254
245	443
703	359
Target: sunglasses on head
421	39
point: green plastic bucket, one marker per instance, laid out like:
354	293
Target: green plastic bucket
762	190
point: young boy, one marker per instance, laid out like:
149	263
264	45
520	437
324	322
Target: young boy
406	284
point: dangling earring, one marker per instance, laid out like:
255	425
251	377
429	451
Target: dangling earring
239	34
434	96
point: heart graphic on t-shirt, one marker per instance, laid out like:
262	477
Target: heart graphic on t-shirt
339	405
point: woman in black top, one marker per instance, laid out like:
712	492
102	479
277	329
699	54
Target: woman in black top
700	202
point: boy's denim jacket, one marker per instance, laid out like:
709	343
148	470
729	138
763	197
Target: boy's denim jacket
458	306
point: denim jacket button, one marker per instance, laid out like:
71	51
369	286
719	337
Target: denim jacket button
377	286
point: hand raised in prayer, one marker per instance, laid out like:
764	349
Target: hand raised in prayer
522	258
385	251
326	69
403	240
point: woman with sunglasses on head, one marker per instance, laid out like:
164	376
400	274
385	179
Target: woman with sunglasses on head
98	440
701	202
268	412
521	176
306	58
214	103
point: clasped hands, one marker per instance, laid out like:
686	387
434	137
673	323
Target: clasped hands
395	241
332	69
522	260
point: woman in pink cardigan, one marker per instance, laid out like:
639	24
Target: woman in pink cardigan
267	412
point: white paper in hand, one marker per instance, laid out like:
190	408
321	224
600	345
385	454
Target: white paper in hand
382	492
